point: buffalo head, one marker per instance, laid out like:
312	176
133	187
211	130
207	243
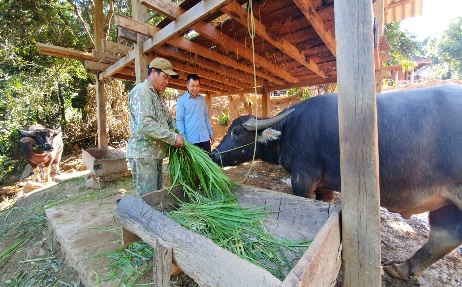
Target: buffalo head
238	144
42	136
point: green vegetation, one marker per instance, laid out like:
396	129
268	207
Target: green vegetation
224	118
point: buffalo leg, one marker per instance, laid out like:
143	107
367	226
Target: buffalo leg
445	235
36	173
303	185
46	173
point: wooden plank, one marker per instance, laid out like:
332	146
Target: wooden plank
313	17
62	52
173	11
134	25
162	264
125	34
323	257
358	143
238	13
113	47
119	65
196	14
128	237
138	217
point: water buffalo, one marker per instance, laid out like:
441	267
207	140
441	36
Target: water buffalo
42	147
420	158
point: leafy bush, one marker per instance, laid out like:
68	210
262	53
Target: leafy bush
224	118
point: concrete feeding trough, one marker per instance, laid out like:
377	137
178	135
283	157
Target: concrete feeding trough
177	248
104	164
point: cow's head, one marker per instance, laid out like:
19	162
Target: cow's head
238	144
42	136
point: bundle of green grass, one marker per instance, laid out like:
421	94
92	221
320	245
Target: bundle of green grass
213	210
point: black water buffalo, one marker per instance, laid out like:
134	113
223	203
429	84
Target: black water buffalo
420	158
42	147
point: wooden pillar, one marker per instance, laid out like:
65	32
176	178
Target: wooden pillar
379	13
139	13
98	24
162	265
358	144
208	103
265	99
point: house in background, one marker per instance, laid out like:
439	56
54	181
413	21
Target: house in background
401	77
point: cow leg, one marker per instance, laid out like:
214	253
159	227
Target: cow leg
36	173
445	235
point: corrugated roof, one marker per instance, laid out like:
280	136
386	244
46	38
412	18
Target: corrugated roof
397	10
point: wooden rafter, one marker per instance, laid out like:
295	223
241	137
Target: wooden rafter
196	14
238	13
228	74
119	65
173	11
146	29
61	52
310	13
116	48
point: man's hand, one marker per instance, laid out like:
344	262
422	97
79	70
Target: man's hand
212	139
178	141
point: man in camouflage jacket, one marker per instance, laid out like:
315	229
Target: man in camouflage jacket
151	128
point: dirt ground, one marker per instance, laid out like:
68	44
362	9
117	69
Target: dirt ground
400	237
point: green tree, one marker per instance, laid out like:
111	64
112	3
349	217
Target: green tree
450	48
402	46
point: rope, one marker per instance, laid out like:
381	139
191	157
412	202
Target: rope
251	28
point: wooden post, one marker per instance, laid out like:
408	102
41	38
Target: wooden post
265	99
139	13
162	265
358	143
379	13
208	103
98	23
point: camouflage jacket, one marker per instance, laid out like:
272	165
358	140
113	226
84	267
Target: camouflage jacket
150	124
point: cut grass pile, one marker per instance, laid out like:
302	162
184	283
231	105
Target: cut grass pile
213	210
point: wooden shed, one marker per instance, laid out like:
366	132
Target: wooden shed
241	46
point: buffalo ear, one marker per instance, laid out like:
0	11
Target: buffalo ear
27	133
269	135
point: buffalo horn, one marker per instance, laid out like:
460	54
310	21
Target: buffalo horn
27	133
253	124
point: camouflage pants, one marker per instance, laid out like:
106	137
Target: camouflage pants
147	174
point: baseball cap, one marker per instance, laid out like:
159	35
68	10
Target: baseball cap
164	65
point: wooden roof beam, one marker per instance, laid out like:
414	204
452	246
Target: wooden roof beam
115	48
196	14
212	55
61	52
146	29
173	11
313	17
119	65
241	78
206	74
209	78
238	13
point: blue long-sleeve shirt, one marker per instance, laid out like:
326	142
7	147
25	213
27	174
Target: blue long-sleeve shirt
192	118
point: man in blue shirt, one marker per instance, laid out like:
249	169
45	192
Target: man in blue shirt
192	117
